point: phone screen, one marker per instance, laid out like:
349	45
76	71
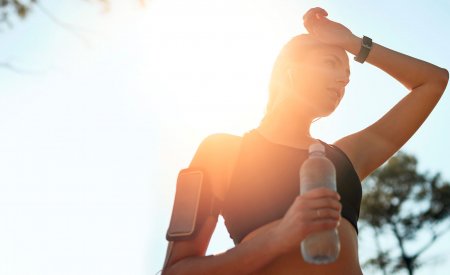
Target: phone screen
185	208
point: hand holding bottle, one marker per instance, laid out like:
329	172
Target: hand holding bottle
311	212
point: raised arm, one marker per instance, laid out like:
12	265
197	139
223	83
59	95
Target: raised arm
426	83
372	146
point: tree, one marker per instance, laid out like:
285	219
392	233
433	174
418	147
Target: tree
10	8
13	10
407	205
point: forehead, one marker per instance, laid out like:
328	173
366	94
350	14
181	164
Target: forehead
324	51
304	48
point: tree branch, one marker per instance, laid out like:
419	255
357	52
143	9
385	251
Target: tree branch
408	261
66	26
380	251
11	67
399	238
430	242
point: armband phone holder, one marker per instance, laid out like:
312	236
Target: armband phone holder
192	204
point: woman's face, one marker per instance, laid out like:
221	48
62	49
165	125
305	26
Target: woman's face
318	81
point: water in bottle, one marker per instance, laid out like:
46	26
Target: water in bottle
318	171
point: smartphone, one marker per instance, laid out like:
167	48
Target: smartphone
186	205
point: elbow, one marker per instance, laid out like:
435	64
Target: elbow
437	81
442	79
166	271
445	80
169	270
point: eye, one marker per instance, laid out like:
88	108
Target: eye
330	62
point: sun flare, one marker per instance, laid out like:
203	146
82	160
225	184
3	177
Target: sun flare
212	65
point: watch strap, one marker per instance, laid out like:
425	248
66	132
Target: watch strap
366	46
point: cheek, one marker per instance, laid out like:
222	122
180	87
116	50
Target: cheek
314	82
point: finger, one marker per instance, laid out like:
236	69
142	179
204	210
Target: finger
313	11
320	225
321	203
321	192
313	19
322	12
324	213
301	204
318	214
309	24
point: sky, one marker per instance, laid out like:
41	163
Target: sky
99	119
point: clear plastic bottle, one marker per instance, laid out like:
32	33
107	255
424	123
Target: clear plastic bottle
318	171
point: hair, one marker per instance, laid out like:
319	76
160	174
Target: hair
294	51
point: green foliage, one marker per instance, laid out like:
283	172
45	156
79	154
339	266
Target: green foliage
404	203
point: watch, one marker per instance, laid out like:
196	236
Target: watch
366	46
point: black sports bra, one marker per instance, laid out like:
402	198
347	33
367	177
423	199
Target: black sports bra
265	182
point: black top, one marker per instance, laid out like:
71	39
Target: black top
266	180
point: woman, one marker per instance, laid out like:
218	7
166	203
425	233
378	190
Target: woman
256	176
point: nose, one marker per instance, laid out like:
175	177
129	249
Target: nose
343	80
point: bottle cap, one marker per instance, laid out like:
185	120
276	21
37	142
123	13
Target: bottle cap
316	147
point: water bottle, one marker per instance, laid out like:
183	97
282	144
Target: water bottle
318	171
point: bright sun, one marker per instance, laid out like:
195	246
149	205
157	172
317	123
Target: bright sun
212	63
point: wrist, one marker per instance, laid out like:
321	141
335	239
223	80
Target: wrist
353	44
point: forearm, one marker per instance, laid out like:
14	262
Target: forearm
246	258
409	71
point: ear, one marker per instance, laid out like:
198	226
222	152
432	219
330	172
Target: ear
289	72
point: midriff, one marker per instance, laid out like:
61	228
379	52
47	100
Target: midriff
293	263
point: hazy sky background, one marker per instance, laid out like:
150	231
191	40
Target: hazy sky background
94	130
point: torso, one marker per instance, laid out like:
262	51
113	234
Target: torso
292	262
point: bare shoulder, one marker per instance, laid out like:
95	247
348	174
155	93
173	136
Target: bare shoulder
213	156
217	154
366	151
218	140
351	145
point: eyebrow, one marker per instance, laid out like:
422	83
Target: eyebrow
339	61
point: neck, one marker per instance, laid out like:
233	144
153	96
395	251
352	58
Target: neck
288	128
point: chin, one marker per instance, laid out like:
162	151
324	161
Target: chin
325	111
